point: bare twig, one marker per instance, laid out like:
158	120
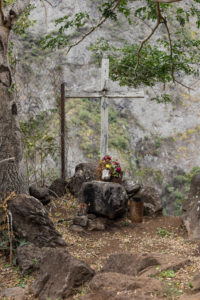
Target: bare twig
93	28
185	86
7	159
166	1
143	21
45	11
53	193
48	3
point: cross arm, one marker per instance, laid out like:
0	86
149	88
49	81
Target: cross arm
99	94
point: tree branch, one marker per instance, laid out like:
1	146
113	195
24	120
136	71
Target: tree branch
48	3
185	86
93	28
159	18
171	48
166	1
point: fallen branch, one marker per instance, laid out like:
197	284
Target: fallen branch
10	233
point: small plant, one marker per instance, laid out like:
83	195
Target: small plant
167	274
190	285
162	232
171	290
158	141
126	222
39	143
22	282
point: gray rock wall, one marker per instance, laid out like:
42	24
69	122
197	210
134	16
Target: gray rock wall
39	74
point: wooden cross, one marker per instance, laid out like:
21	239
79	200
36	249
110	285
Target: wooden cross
104	94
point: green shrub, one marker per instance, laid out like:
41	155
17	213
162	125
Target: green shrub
162	232
84	115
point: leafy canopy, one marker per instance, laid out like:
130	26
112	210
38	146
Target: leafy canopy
161	58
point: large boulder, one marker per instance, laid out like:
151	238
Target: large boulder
58	187
191	209
29	258
115	286
189	297
129	264
104	198
150	197
131	188
15	293
143	265
31	222
84	172
129	276
59	274
41	193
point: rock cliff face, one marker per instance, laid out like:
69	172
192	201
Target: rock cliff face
161	136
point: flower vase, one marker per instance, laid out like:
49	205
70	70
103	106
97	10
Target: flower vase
105	176
116	179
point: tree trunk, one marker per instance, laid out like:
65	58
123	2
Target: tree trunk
11	175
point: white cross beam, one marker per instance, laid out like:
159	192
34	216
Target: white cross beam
104	94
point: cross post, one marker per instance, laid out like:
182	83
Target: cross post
104	107
104	94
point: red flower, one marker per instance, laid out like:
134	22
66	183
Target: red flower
118	170
116	163
107	157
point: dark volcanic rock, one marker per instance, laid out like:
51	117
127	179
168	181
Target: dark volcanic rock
115	286
84	172
15	293
58	187
31	222
150	197
28	258
131	187
80	220
59	274
129	264
191	209
104	198
41	193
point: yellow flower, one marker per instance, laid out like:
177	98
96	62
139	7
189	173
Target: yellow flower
108	166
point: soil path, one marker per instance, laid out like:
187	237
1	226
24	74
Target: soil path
160	235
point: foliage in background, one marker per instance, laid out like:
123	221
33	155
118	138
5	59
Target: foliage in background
84	116
155	63
40	142
24	22
172	55
176	191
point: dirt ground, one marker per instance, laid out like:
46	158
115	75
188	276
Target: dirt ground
160	235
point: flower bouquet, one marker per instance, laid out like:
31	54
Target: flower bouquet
116	172
109	170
